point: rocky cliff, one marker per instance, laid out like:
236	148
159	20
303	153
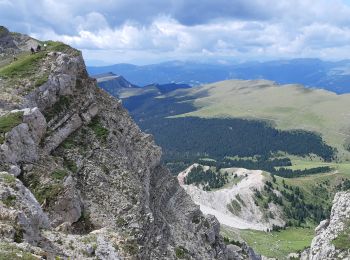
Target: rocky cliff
332	240
78	178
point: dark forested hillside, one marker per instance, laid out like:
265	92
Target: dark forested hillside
192	137
186	140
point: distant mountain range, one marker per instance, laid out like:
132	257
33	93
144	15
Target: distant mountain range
116	85
333	76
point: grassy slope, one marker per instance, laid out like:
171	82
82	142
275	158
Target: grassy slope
289	107
342	168
27	64
318	187
27	72
7	122
274	244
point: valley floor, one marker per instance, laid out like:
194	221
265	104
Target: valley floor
276	244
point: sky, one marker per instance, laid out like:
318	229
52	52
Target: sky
151	31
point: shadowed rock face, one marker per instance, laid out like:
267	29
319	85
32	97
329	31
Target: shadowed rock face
90	182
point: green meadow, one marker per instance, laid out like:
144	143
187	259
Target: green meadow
286	107
276	244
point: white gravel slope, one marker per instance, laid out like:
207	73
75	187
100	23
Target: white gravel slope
215	202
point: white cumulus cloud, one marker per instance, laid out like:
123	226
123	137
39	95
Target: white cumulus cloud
149	31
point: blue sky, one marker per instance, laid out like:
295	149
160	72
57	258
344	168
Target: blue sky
148	31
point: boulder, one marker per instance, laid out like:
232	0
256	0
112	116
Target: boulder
20	210
36	122
15	170
19	146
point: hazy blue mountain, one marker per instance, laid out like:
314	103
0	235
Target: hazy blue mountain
112	83
118	86
333	76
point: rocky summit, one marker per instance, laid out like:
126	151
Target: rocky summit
78	179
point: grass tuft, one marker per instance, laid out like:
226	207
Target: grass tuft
61	105
59	174
47	193
342	241
61	47
9	251
180	252
9	121
100	131
234	207
9	178
70	165
121	222
41	80
10	201
24	67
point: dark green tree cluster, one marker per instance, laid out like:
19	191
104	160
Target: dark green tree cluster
344	185
228	241
292	200
192	137
258	163
271	196
209	179
267	164
289	173
299	210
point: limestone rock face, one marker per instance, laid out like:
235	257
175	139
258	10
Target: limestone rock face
22	142
105	250
90	184
68	207
71	125
324	245
19	146
21	215
36	123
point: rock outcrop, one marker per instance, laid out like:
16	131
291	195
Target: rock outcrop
332	240
20	214
14	43
90	184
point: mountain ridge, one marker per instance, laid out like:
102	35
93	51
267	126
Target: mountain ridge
80	180
314	73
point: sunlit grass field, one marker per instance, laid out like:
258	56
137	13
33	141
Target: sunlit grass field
277	244
286	107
